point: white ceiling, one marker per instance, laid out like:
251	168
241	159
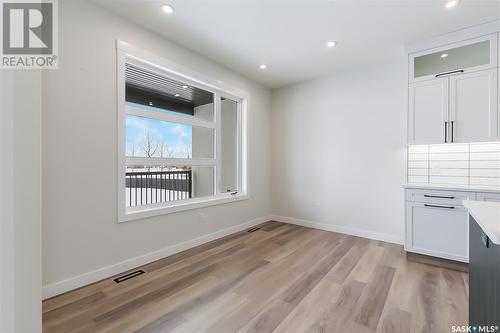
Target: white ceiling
290	36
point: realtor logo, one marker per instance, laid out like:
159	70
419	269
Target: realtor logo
29	34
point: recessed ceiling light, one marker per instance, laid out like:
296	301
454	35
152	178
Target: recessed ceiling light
167	9
451	3
185	87
331	43
176	95
444	55
263	66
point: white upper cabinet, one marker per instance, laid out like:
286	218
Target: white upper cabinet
453	93
467	56
473	107
428	111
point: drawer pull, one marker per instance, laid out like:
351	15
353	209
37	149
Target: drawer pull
448	73
445	132
438	196
438	206
452	126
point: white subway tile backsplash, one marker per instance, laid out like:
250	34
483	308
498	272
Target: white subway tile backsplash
414	149
485	156
484	147
449	164
418	164
448	180
419	157
485	164
457	164
485	181
449	148
485	173
418	172
418	179
449	156
449	172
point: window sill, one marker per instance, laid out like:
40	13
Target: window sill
136	213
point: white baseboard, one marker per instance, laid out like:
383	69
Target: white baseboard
340	229
63	286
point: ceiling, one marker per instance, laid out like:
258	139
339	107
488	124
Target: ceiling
290	36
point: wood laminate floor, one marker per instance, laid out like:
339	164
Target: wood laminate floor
281	278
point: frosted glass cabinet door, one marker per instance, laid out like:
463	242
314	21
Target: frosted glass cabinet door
428	111
463	57
473	107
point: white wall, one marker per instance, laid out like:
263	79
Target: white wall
338	150
81	233
6	205
20	202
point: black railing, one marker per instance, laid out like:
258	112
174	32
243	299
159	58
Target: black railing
147	187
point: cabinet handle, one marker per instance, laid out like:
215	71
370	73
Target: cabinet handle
445	132
438	196
452	135
437	206
448	73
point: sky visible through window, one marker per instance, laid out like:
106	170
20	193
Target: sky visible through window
155	138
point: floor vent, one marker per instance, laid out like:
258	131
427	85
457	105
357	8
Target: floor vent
129	276
253	229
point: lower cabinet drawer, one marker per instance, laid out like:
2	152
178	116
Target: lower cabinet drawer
439	197
438	230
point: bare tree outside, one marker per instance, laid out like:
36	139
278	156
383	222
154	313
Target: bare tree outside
132	149
149	145
165	151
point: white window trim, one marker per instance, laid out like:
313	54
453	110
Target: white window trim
126	52
166	161
168	117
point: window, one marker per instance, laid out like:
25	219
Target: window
181	142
